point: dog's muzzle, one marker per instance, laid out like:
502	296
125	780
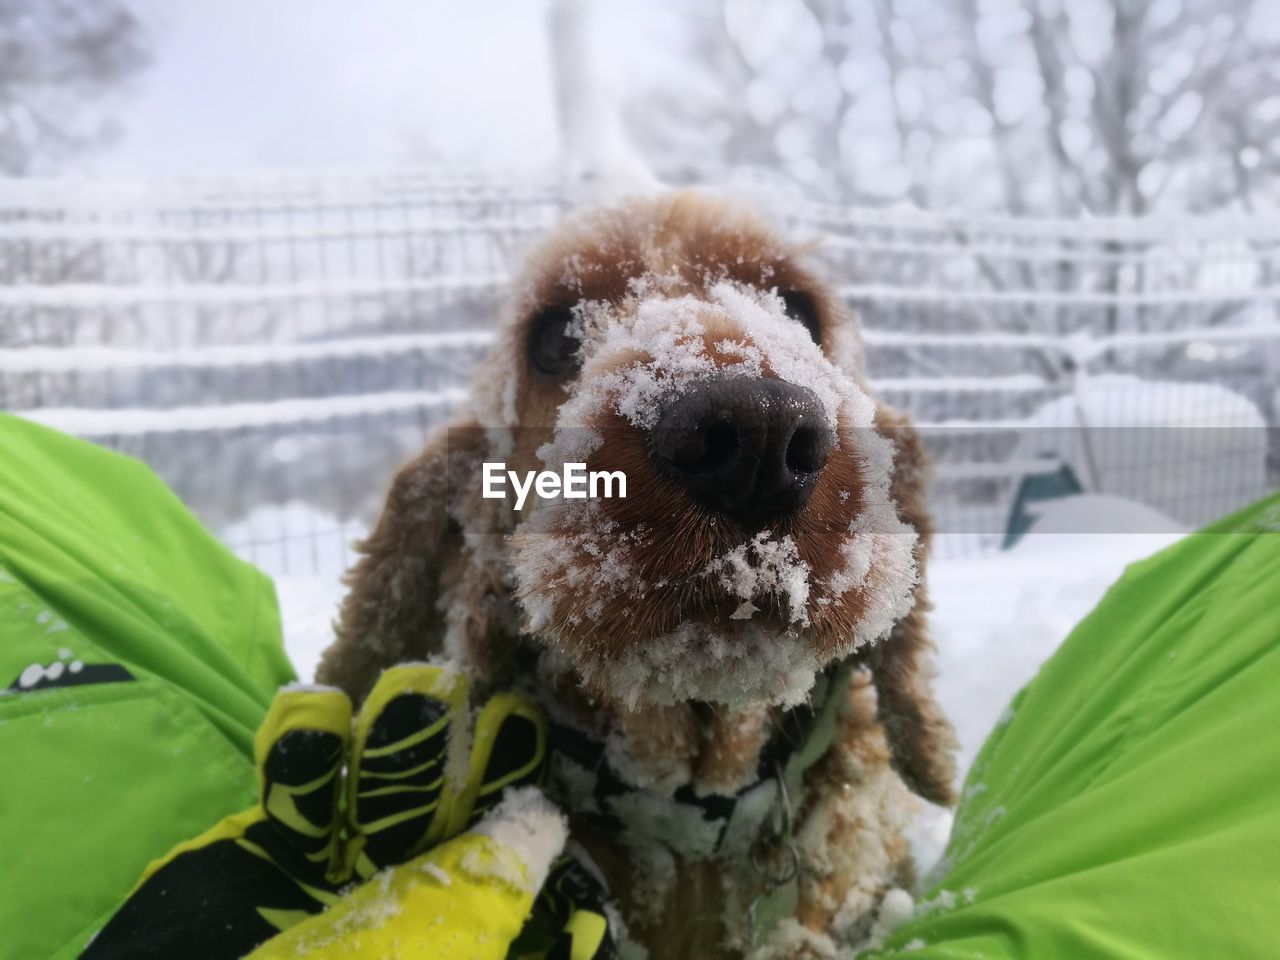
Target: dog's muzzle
747	447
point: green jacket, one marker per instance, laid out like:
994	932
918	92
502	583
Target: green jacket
1129	807
139	657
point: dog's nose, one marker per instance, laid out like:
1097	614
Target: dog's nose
747	447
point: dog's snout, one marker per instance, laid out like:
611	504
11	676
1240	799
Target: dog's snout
747	447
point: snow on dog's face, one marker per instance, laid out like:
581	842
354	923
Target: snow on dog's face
678	342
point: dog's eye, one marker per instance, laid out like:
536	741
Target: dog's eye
799	306
553	349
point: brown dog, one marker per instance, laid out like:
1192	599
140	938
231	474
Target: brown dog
734	655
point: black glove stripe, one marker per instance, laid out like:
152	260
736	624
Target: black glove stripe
517	759
300	788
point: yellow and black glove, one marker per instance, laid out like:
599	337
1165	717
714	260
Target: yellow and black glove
408	796
569	920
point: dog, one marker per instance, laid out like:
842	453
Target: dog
733	656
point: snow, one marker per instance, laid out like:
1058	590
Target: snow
323	188
653	876
790	938
896	908
156	233
668	332
650	818
527	825
1028	253
1180	447
1058	523
85	422
94	296
305	552
1015	383
878	552
89	358
638	356
303	687
881	293
1128	230
694	663
977	426
998	617
308	606
764	566
1121	400
997	469
1081	347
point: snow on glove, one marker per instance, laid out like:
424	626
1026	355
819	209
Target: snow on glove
464	900
338	805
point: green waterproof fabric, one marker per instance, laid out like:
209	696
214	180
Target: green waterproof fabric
137	658
1129	807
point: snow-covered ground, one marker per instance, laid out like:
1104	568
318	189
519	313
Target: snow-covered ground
307	608
283	539
1196	451
996	617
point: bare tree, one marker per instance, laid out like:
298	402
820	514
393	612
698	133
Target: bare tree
1027	106
61	61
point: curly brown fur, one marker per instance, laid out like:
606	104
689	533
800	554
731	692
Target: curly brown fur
920	737
522	597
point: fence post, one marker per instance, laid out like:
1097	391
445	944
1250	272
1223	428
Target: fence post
1079	383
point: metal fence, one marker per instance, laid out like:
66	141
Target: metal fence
274	348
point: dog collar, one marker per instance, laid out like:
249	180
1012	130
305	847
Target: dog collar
702	825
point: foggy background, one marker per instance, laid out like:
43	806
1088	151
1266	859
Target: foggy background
1023	106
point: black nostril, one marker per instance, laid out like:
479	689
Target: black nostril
721	446
698	449
806	452
748	447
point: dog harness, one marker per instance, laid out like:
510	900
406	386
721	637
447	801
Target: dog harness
755	823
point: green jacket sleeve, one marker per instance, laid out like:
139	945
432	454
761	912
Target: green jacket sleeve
1129	806
137	658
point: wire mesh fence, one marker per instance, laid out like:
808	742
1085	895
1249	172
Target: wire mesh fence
275	348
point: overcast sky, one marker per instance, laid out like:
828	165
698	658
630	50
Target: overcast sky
244	84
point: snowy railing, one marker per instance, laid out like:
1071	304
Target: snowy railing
275	348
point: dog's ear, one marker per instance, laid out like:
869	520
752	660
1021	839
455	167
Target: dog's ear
921	739
418	577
